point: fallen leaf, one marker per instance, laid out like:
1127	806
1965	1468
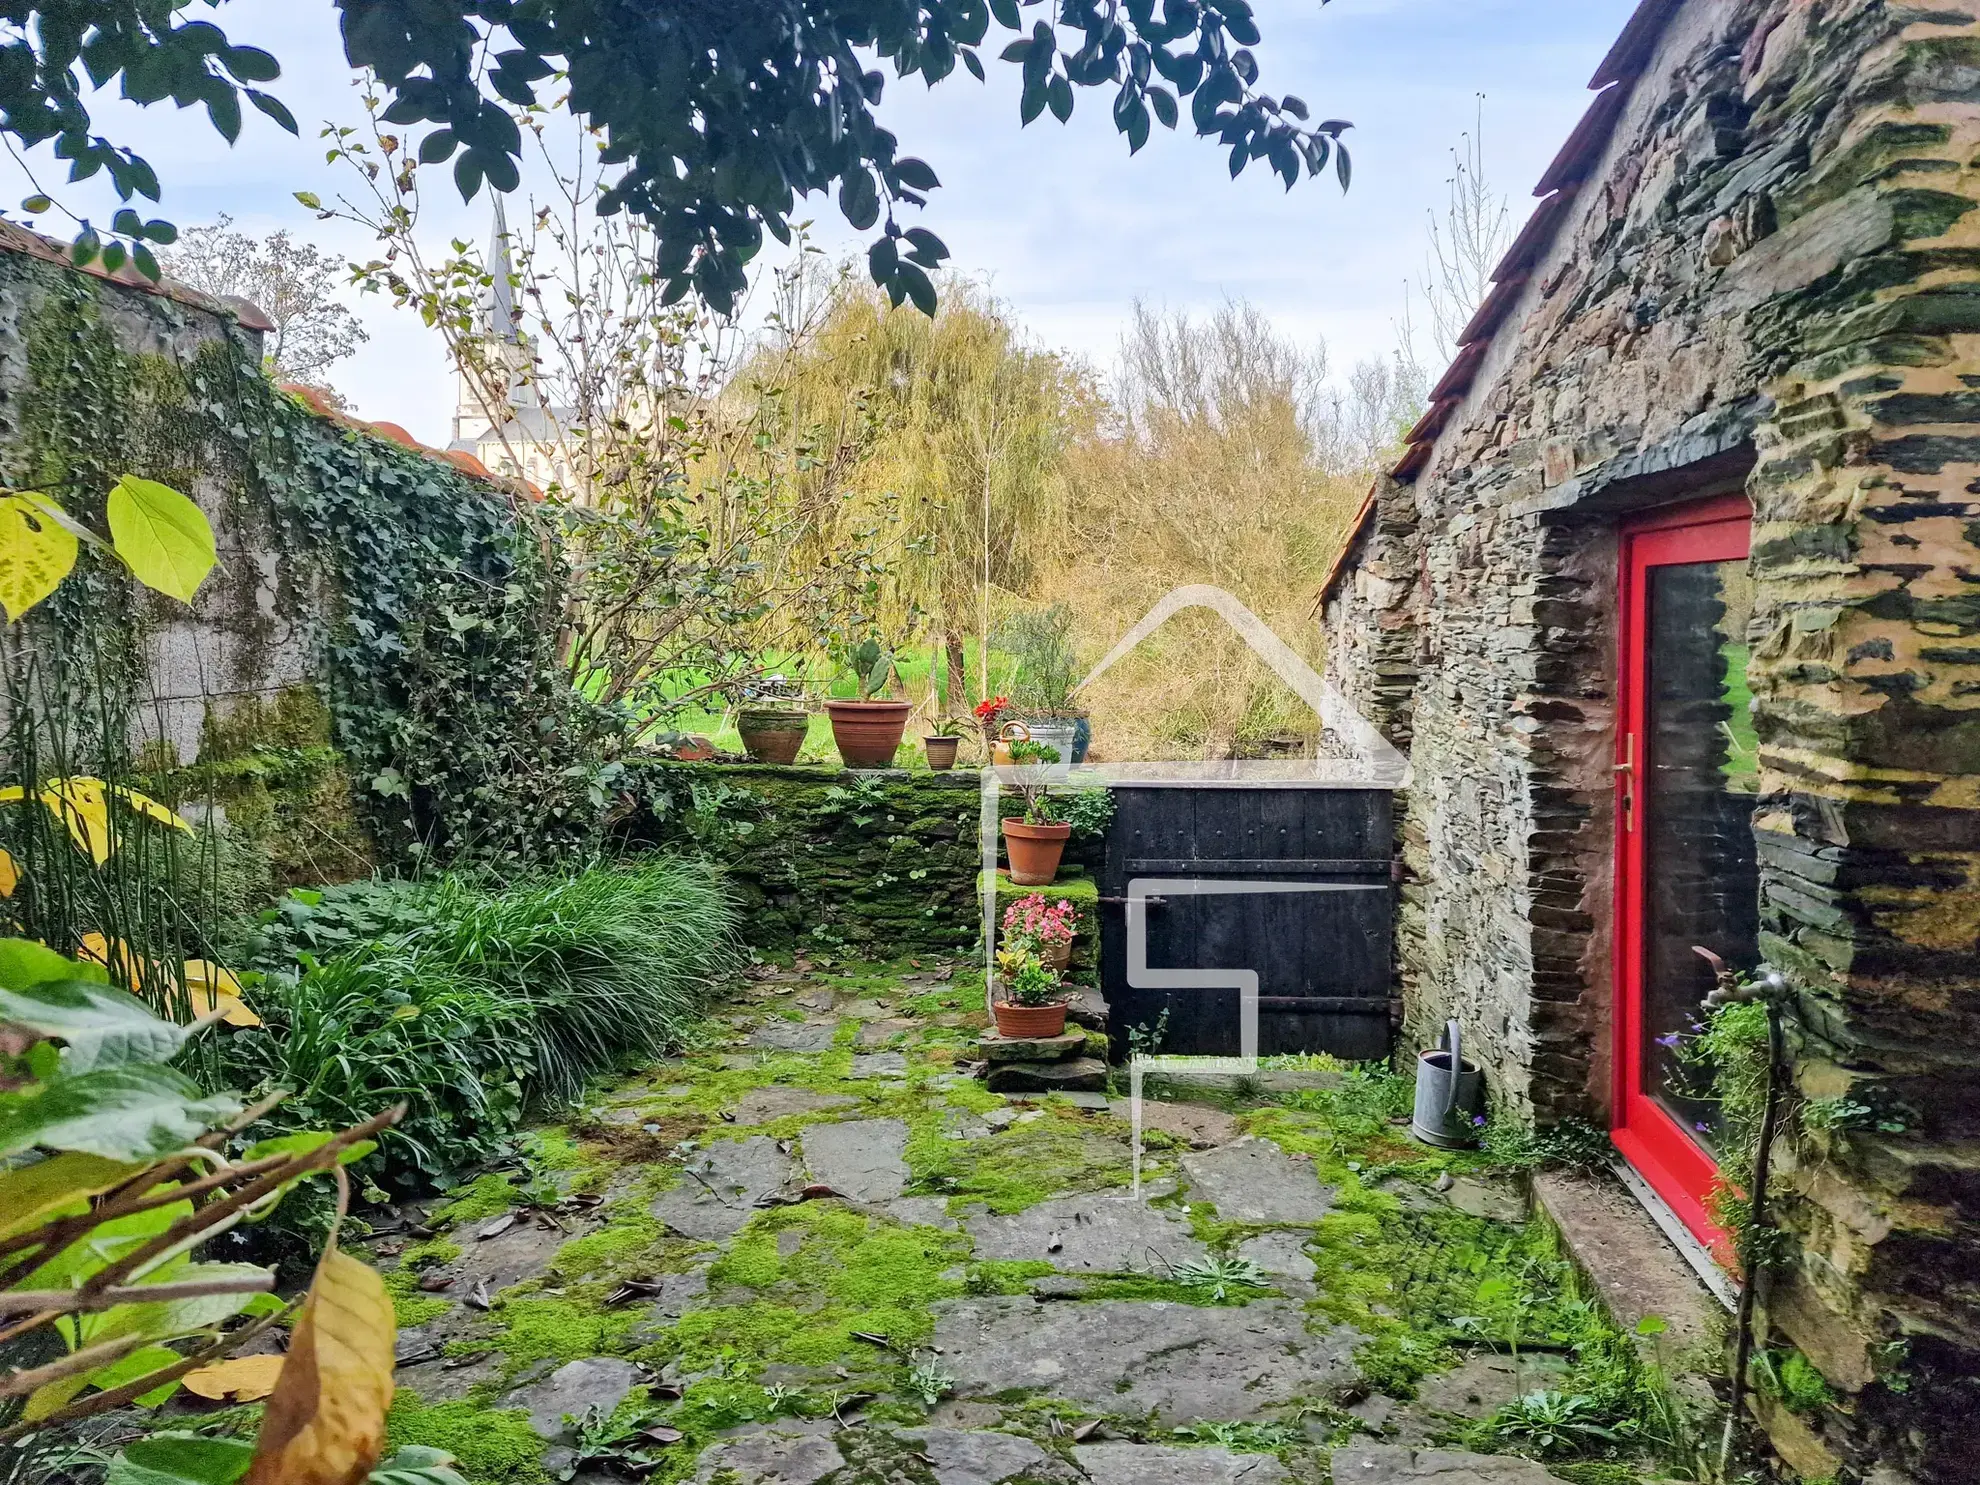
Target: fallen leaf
496	1227
455	1363
478	1297
243	1378
435	1282
632	1289
212	988
947	971
1084	1431
915	962
325	1423
659	1433
10	875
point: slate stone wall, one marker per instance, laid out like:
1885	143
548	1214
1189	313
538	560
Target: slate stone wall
1769	284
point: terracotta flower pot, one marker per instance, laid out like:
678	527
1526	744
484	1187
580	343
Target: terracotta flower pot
772	734
868	733
1034	851
941	752
1056	956
1029	1020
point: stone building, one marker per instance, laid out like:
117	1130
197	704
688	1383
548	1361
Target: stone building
1674	601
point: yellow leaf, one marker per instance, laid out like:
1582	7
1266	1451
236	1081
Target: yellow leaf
114	955
243	1378
32	1194
325	1423
12	793
10	875
144	804
164	538
82	805
36	552
212	988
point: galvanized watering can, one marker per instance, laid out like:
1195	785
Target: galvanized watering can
1449	1094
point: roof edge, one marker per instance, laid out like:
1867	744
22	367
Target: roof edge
1613	82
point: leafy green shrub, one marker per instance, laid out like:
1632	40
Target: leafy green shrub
477	1004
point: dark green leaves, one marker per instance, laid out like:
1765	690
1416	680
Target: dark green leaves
721	125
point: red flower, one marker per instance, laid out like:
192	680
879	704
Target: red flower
985	710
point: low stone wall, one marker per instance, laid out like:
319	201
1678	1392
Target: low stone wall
878	863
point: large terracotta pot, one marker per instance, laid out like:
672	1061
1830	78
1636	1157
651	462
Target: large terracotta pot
868	733
1034	851
1029	1020
941	752
772	734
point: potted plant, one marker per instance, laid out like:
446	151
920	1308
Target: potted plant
1036	840
941	744
1031	1003
868	730
772	732
1047	678
1044	928
991	716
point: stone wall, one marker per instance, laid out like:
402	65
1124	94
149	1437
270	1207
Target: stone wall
878	864
1767	280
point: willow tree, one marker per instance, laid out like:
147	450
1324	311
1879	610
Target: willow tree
963	434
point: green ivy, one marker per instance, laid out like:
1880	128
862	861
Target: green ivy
439	593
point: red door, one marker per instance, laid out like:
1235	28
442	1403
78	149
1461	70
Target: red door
1686	875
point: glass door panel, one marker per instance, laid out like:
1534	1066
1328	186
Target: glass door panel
1686	870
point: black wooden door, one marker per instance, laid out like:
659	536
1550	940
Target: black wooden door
1230	873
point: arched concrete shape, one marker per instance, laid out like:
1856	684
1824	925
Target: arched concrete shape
1333	709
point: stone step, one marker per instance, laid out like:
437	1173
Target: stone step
1088	1008
993	1048
1080	1074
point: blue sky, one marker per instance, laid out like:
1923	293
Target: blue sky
1064	226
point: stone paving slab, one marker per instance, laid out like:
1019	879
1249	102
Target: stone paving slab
1254	1180
879	1033
1091	1233
1281	1254
788	1453
1186	1363
601	1381
879	1065
961	1457
1153	1464
1400	1464
1077	1074
719	1188
1201	1127
863	1159
761	1105
795	1036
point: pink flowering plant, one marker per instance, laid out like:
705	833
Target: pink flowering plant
1037	924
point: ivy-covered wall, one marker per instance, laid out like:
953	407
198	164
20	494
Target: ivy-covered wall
371	672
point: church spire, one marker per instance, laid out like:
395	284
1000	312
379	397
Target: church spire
499	308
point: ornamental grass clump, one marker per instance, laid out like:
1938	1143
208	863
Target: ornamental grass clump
479	1004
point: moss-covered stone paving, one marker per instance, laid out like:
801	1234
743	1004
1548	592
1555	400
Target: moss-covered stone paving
756	1264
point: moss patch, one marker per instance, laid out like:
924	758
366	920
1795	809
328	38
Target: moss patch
1064	1150
492	1447
410	1307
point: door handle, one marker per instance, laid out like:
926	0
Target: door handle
1625	772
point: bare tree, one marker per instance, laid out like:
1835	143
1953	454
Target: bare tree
1465	245
293	283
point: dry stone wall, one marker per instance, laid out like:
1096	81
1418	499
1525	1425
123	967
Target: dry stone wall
1769	283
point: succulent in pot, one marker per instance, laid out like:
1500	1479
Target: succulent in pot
868	730
1037	840
1032	1002
941	743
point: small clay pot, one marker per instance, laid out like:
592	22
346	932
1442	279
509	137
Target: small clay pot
772	734
1034	851
1029	1020
941	752
868	733
1056	956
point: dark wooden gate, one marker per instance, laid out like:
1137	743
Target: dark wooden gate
1323	957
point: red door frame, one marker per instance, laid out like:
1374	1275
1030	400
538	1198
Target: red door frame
1677	1167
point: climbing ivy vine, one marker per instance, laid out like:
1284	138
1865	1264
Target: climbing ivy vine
438	593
